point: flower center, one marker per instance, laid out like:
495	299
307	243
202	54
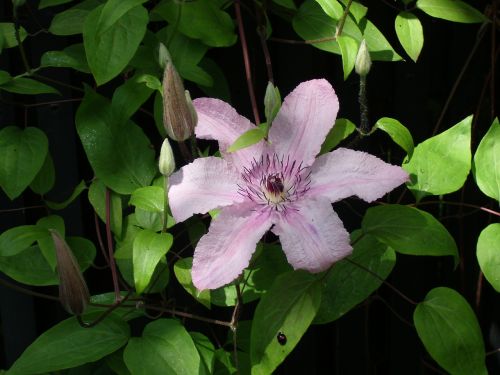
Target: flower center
275	182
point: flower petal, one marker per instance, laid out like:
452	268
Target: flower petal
305	118
313	238
343	172
219	121
223	253
205	184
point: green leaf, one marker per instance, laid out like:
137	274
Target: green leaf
50	3
151	82
4	77
272	102
120	154
357	10
71	57
286	3
380	49
112	11
331	7
349	50
15	240
45	179
409	231
450	332
351	281
97	198
398	132
46	243
311	23
27	86
71	21
440	164
451	10
206	351
201	19
288	307
149	198
486	167
340	131
68	345
247	139
8	34
109	52
149	247
410	34
23	154
30	266
182	270
488	254
164	348
59	206
129	97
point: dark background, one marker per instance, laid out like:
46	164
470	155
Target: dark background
374	337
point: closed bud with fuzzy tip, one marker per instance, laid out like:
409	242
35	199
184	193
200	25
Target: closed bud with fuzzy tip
166	161
179	115
73	292
363	60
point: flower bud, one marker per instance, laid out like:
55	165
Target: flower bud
73	292
363	61
167	161
179	115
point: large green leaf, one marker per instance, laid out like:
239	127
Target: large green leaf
450	332
451	10
352	280
46	177
201	19
8	35
288	308
31	267
120	154
410	34
164	348
206	351
486	167
488	254
349	50
70	57
68	345
440	164
109	52
23	153
149	198
398	132
113	11
97	198
129	97
27	86
312	23
409	231
70	21
148	249
17	239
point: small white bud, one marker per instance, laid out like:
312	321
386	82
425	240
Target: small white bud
363	61
167	161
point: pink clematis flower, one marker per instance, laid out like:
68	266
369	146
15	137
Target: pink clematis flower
277	185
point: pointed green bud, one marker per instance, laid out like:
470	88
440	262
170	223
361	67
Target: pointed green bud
179	115
73	292
166	161
163	56
363	61
272	102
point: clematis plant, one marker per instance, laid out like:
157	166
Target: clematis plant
278	185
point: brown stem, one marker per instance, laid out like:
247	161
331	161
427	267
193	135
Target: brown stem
261	30
26	291
341	23
246	61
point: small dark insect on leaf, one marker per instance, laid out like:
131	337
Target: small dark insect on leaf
281	338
